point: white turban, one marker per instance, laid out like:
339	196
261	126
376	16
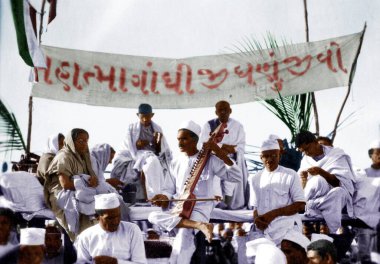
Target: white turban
32	236
298	238
192	126
315	237
106	201
269	144
375	144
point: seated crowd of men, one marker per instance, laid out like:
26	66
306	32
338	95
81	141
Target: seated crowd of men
90	210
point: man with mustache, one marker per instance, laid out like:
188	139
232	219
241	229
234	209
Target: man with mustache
217	165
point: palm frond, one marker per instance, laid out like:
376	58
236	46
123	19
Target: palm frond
10	134
294	111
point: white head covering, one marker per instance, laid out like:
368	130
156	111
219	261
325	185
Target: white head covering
253	245
269	254
32	236
192	126
297	238
52	144
270	144
106	201
315	237
274	137
375	144
100	157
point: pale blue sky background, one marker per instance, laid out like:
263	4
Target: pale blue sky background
183	28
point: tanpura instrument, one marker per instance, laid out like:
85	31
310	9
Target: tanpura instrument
186	202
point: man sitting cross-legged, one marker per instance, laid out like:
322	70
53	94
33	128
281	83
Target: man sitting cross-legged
328	180
217	165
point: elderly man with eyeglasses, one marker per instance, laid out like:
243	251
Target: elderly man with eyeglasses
276	197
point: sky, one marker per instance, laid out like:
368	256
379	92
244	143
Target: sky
183	28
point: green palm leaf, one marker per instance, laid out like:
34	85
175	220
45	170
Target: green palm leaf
294	111
10	133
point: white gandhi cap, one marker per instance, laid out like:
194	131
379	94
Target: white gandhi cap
32	236
315	237
192	126
106	201
298	238
269	144
375	144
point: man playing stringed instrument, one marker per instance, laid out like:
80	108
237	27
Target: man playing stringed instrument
183	169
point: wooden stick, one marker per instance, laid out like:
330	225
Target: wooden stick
180	200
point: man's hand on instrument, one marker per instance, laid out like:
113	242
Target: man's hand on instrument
230	149
211	145
141	143
218	198
160	200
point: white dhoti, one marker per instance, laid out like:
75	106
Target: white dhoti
324	200
183	244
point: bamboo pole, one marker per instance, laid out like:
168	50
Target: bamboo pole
313	100
30	121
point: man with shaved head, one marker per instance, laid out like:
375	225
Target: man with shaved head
233	144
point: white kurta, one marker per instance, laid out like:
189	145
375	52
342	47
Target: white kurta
235	136
366	198
324	200
273	190
183	245
144	160
125	244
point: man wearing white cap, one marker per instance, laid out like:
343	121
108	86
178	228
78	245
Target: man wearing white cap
146	151
235	194
30	250
276	197
112	240
264	251
217	165
294	245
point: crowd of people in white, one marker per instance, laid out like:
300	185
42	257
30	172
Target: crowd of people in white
289	205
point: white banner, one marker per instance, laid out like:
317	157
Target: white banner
115	80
